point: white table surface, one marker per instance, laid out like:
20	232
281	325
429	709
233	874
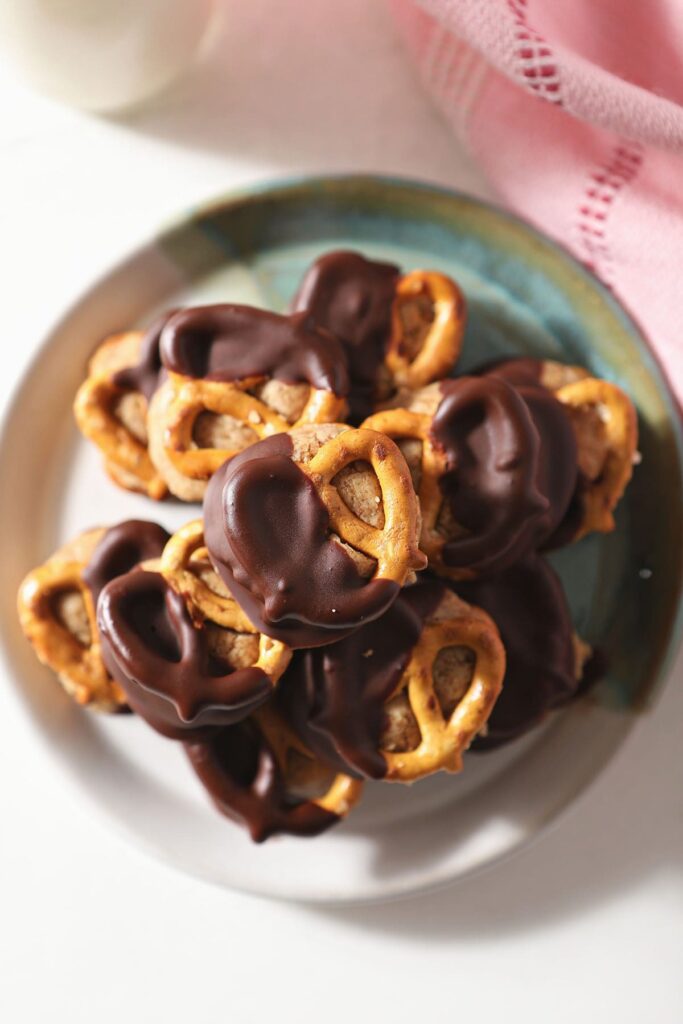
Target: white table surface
587	924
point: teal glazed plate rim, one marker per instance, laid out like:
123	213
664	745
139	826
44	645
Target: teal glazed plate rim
526	296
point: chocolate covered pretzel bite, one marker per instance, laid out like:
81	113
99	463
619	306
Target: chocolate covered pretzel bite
494	467
261	775
545	657
605	426
399	331
405	695
112	403
57	604
186	656
314	532
291	640
236	375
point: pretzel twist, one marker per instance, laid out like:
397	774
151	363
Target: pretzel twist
80	669
192	397
181	555
443	742
401	425
617	413
126	456
343	792
393	547
441	347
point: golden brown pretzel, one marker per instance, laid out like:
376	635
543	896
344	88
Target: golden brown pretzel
406	425
339	795
57	614
606	428
525	371
394	546
187	466
556	375
444	736
186	568
415	358
113	418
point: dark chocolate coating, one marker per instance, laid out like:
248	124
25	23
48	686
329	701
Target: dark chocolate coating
530	609
557	473
525	374
492	450
241	775
160	657
334	696
267	532
352	297
572	520
148	373
228	342
122	548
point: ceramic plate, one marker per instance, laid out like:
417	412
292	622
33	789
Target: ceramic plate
525	295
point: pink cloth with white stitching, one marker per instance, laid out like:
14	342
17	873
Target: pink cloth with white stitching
574	111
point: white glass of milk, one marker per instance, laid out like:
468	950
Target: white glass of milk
102	55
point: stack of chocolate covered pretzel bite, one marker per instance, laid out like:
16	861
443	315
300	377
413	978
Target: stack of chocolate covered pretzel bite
364	597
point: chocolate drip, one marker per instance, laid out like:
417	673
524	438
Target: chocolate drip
352	297
228	342
529	606
122	548
268	534
161	659
241	774
148	373
334	696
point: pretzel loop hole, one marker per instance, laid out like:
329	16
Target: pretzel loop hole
442	343
394	543
443	741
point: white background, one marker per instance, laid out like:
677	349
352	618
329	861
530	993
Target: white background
588	923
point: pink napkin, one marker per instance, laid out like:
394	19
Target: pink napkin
574	111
